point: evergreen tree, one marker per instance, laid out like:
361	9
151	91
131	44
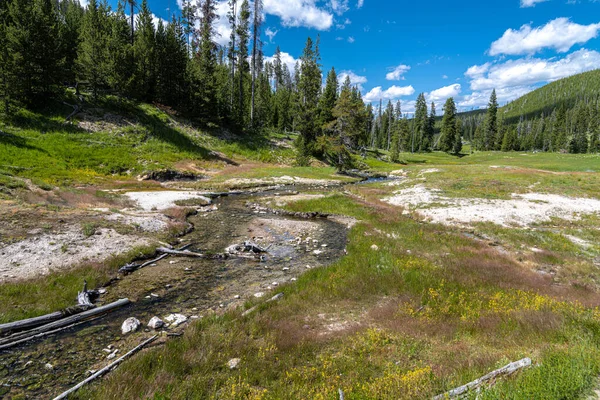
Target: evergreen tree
419	124
458	138
309	87
256	51
32	39
431	126
71	17
232	16
242	64
448	131
144	51
4	59
120	56
490	131
328	99
207	60
93	54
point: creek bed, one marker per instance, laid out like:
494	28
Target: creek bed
192	287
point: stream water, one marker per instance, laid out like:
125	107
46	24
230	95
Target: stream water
192	287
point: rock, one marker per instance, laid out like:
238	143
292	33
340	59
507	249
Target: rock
176	319
154	295
275	283
156	323
293	279
101	291
130	325
49	366
286	269
237	296
374	247
259	295
317	252
195	309
233	363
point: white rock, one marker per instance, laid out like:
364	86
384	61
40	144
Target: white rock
275	283
49	367
286	269
259	295
293	279
156	323
233	363
154	295
237	296
374	247
130	325
317	252
176	319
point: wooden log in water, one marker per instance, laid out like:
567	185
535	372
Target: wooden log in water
15	339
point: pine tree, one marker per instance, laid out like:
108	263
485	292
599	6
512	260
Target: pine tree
309	87
71	17
458	138
448	131
242	64
33	43
93	52
144	51
4	59
231	53
120	54
207	60
328	99
256	51
490	132
419	124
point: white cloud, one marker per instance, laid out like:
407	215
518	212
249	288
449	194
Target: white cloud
271	33
392	93
560	34
360	3
397	73
440	95
286	59
339	6
351	39
529	71
84	3
295	13
444	76
355	80
530	3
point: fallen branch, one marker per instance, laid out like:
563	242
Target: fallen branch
128	268
106	369
15	339
251	310
85	297
76	110
506	370
184	253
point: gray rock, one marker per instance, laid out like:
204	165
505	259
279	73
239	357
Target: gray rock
176	319
233	363
156	323
130	325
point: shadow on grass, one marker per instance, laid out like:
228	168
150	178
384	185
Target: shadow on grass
17	141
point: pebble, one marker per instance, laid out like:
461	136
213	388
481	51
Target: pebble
195	309
259	295
168	286
374	247
233	363
286	269
154	295
275	284
112	355
293	279
237	296
49	366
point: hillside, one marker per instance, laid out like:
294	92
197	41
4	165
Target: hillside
566	92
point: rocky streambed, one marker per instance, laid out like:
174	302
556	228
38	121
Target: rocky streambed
191	287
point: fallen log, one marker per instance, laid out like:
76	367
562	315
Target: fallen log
129	268
106	369
477	383
84	303
272	299
183	253
15	339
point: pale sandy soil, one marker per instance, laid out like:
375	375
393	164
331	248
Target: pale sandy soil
41	255
521	210
282	180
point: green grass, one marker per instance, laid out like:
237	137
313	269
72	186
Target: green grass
58	290
431	309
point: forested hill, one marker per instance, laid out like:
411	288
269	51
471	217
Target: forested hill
566	93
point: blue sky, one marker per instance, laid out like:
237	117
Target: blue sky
395	50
